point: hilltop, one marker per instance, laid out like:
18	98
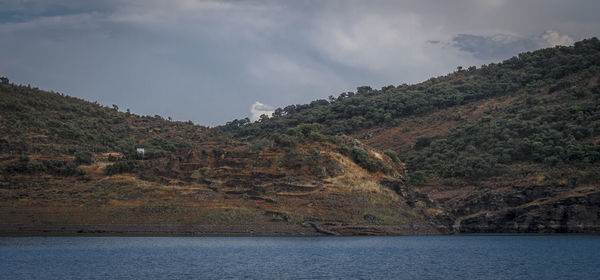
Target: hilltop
512	146
506	147
69	163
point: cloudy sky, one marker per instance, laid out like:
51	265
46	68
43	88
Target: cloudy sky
213	61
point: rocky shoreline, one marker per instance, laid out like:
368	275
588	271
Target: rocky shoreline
290	230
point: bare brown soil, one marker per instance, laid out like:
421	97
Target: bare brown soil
215	189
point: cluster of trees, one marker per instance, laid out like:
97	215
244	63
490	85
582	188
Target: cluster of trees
83	157
124	166
72	122
552	130
153	148
361	157
305	133
368	108
25	165
35	121
556	124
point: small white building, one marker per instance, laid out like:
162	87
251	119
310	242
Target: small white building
140	150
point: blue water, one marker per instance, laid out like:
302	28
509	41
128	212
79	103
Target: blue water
421	257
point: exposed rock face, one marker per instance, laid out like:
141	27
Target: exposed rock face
437	217
574	214
551	208
411	196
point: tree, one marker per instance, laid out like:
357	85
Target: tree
364	90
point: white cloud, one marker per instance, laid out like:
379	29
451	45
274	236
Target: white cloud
257	109
552	38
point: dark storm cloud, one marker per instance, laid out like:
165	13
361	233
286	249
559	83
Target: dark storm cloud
25	10
212	61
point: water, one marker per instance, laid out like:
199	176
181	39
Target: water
419	257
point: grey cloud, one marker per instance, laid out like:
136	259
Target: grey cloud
504	46
207	61
26	10
492	47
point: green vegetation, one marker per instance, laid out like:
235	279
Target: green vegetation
33	121
83	158
124	166
392	154
551	130
36	121
367	108
361	157
556	122
299	134
552	120
56	167
158	147
515	141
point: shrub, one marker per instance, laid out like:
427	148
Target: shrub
124	166
392	154
260	144
62	168
18	167
56	167
112	158
285	141
292	158
83	158
417	178
361	157
344	150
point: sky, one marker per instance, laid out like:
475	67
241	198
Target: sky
214	61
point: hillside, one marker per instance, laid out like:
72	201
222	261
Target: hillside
68	165
512	146
507	147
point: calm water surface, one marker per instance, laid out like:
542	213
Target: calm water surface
433	257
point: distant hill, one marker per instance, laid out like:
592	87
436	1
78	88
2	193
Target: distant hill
507	147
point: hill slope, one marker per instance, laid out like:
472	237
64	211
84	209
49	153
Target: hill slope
513	146
508	147
68	165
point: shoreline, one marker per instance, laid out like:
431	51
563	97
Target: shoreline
266	230
269	230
